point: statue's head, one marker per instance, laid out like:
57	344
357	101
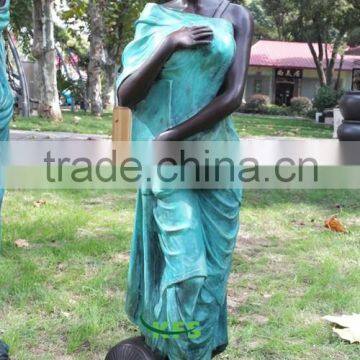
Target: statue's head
4	14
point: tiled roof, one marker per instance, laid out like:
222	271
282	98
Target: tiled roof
354	51
282	54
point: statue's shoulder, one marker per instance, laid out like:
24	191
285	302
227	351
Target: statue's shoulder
149	7
238	14
149	11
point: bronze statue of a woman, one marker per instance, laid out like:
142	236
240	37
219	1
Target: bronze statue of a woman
6	95
6	112
183	76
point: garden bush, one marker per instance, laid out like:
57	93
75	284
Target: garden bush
277	110
257	103
311	114
301	105
326	98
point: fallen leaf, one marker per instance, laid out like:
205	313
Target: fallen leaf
334	224
21	243
347	326
39	203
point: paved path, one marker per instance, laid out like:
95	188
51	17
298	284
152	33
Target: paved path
50	135
55	135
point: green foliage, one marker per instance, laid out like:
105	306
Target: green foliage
354	37
281	13
276	110
21	22
333	22
301	105
311	114
264	25
326	98
260	104
257	103
75	87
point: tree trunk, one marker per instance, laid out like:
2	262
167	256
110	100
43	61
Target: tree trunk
45	54
332	62
83	83
96	55
318	59
338	79
109	86
110	67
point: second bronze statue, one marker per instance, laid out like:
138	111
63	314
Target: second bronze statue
183	76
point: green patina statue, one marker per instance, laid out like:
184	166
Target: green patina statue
6	112
6	96
183	75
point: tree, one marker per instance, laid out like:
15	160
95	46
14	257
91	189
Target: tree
22	22
118	18
96	28
45	53
328	23
264	23
281	13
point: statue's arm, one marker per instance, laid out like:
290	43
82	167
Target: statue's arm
230	97
137	85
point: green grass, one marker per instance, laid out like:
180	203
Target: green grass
247	125
63	297
79	122
258	125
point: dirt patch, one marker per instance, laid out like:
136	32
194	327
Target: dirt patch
236	298
83	233
123	257
109	200
249	246
254	319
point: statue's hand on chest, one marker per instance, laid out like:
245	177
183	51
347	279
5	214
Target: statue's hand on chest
191	37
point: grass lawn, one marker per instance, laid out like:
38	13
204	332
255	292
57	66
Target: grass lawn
256	125
63	297
79	122
259	125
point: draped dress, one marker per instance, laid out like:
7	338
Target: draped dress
183	239
6	96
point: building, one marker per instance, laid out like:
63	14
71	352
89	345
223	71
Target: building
283	70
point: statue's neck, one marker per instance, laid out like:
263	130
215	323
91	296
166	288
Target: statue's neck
190	4
198	6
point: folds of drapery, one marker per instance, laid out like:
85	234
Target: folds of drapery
6	98
183	239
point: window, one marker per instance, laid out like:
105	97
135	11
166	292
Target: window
258	86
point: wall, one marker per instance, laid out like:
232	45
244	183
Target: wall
266	76
308	85
30	69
